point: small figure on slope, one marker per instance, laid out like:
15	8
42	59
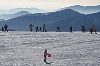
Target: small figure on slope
46	54
58	29
2	29
6	28
44	28
30	27
37	28
83	28
70	30
94	29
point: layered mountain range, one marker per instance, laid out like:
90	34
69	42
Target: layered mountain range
85	9
63	18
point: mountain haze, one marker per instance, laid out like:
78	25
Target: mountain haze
10	16
85	9
64	19
12	11
40	19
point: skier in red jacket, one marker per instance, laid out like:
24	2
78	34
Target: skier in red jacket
45	55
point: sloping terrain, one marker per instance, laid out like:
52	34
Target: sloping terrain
67	49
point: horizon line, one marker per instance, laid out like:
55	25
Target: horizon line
53	10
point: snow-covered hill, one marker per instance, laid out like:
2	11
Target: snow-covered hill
67	49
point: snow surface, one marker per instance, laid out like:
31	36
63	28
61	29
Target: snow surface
67	49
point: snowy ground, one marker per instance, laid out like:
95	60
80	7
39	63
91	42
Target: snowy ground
67	49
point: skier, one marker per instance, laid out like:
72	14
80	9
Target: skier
83	28
2	29
58	29
40	29
30	27
44	29
45	56
37	29
6	28
94	29
91	30
70	29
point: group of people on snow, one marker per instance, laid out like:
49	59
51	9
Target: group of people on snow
38	29
5	28
92	29
43	28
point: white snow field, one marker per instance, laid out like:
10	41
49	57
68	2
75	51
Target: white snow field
67	49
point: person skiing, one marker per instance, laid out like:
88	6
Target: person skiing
94	29
37	28
44	29
91	30
45	56
83	28
6	28
70	29
40	29
30	27
2	29
58	29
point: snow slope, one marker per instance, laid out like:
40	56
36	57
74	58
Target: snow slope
67	49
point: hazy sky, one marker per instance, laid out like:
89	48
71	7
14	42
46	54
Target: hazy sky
44	4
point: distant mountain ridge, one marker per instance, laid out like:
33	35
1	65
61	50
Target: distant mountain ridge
77	22
78	8
10	16
85	9
40	19
64	19
12	11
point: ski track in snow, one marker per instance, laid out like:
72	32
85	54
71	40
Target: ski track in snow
67	49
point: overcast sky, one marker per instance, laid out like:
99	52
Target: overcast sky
48	5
